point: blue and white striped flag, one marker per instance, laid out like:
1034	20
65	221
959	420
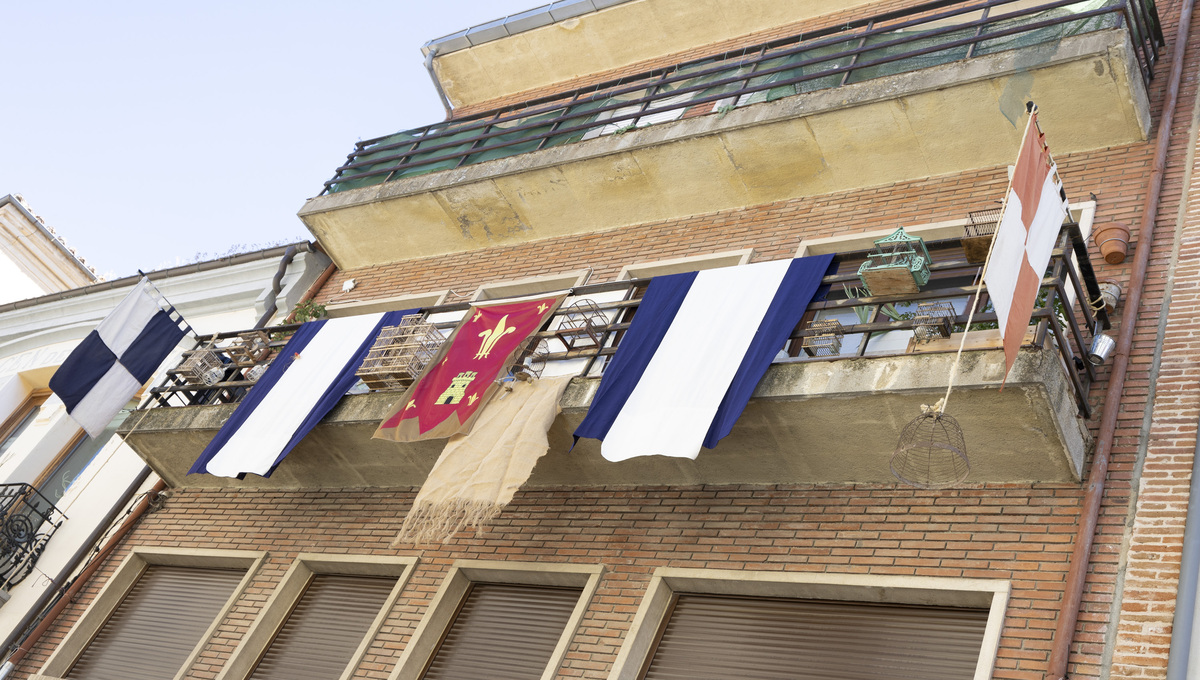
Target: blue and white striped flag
696	349
112	363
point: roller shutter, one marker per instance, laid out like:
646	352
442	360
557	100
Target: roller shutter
738	638
158	624
325	628
503	632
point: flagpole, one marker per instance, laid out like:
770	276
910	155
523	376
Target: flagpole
1031	109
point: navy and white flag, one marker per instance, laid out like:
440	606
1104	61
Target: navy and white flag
696	349
112	363
302	384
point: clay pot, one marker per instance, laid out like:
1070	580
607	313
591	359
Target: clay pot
1113	240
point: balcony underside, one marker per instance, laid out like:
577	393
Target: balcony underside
947	119
811	422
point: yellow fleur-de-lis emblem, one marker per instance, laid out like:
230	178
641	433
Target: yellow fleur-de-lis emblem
492	336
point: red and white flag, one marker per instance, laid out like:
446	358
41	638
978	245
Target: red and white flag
1033	215
461	377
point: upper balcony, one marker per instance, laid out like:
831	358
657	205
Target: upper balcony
829	410
930	90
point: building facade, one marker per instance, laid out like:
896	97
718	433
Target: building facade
595	146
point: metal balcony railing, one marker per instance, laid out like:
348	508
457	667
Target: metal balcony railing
27	521
900	41
1063	315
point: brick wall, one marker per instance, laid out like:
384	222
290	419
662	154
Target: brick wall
995	532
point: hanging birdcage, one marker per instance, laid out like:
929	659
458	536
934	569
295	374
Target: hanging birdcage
532	365
826	340
900	264
400	353
256	371
203	367
931	453
582	325
933	320
978	233
249	348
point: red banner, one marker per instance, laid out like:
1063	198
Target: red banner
461	378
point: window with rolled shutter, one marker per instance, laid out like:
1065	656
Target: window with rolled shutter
710	637
325	628
503	632
159	623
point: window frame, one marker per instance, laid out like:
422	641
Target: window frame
101	609
992	594
283	600
388	304
534	285
445	604
692	263
29	406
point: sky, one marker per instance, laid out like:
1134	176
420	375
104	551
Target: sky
150	134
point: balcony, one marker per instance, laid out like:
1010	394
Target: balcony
818	416
27	521
931	90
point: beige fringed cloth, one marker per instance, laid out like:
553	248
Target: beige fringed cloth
478	473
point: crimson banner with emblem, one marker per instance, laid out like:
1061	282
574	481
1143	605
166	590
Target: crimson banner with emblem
461	378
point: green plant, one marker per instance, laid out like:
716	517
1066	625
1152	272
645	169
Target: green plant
626	128
307	310
864	311
724	110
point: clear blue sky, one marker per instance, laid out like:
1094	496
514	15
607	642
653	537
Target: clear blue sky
148	132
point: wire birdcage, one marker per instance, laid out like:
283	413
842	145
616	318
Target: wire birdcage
978	233
931	453
400	353
582	325
827	341
203	367
933	320
900	264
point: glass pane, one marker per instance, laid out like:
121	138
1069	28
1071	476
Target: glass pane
55	486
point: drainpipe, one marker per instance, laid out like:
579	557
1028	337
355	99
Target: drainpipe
81	580
1179	658
277	284
437	85
1068	614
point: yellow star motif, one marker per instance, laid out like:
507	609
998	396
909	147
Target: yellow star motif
542	308
472	399
412	403
477	316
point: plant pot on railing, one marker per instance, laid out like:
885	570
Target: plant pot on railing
1113	240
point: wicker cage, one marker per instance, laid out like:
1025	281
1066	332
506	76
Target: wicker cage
827	340
400	353
977	234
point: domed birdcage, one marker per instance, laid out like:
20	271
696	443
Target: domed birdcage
931	453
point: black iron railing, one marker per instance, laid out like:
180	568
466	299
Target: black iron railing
27	521
904	40
1063	313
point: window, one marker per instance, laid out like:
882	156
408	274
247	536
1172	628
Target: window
729	624
20	420
320	619
154	616
354	308
68	465
499	620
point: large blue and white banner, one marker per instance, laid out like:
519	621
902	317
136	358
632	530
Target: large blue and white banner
302	384
696	349
111	364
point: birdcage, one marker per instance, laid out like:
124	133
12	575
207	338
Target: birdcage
256	371
400	353
249	348
203	367
933	320
582	325
978	233
826	340
900	264
931	453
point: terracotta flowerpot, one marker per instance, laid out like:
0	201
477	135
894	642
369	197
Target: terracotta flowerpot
1113	241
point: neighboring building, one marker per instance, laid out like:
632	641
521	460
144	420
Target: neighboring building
595	145
60	489
33	260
